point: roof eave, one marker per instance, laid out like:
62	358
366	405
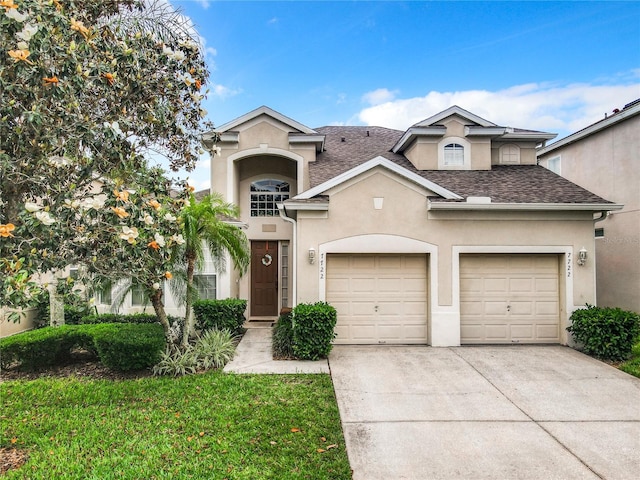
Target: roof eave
303	206
591	129
593	207
373	163
315	139
415	132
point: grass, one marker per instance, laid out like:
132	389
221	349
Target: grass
632	366
202	426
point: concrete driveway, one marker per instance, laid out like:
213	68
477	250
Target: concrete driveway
513	412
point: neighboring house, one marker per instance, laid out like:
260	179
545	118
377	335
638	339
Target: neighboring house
445	234
605	158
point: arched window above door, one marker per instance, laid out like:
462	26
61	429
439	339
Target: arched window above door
266	194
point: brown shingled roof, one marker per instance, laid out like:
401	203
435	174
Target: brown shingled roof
348	147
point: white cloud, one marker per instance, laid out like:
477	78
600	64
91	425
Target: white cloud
221	91
203	3
552	107
381	95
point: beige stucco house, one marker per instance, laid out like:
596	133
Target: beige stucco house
448	233
605	158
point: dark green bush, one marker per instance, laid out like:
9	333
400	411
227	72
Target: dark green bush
73	314
607	333
131	346
119	346
225	314
119	318
44	347
282	336
313	330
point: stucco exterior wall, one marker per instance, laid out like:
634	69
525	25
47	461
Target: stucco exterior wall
261	137
405	220
7	328
607	163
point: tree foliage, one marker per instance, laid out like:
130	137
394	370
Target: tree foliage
89	86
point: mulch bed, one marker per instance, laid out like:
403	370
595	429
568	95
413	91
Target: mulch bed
81	365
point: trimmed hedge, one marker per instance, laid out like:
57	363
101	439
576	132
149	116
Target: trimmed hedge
225	314
43	347
118	346
119	318
607	333
129	346
313	330
282	336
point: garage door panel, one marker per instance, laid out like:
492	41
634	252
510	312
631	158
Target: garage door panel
495	309
361	262
522	332
518	301
395	284
521	285
548	285
494	285
547	308
521	308
549	332
496	332
414	286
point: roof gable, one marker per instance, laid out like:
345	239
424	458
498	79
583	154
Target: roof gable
454	110
264	110
373	163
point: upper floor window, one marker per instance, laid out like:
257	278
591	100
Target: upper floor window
454	155
510	155
553	164
265	195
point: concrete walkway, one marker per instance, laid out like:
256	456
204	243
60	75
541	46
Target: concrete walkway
504	413
253	355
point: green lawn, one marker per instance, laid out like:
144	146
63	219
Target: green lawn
632	366
202	426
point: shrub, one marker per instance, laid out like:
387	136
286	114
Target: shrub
119	318
313	330
607	333
44	347
282	336
176	362
214	349
73	313
129	346
225	314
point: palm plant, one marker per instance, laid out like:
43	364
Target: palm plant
207	223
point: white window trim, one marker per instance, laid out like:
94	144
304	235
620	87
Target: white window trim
467	153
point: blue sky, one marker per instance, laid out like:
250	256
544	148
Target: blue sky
551	66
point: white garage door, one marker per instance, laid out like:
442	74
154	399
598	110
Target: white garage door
509	299
380	299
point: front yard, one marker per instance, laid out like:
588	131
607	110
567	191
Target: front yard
202	426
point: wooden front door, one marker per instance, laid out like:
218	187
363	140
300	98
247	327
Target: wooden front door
264	278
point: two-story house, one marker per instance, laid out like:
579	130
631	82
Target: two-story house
605	158
448	233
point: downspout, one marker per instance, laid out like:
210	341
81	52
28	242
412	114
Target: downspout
603	215
294	266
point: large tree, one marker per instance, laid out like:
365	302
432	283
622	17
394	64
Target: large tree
87	88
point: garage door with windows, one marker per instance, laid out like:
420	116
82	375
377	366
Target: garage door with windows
509	299
379	298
